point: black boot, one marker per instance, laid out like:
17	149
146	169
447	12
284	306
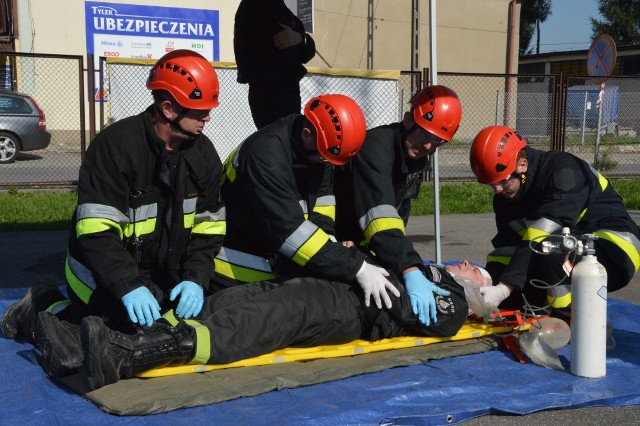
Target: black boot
59	343
20	319
110	355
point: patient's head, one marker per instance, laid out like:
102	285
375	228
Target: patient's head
471	272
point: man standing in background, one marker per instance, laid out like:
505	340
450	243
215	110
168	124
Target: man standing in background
270	46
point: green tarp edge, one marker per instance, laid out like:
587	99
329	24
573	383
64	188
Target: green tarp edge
138	397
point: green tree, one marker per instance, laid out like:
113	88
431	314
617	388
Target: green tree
620	20
532	14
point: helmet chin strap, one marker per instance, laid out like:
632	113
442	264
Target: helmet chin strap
175	123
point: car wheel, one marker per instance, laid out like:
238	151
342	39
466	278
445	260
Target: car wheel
9	148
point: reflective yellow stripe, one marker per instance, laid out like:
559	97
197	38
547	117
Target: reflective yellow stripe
203	343
189	219
581	215
626	246
83	291
329	211
211	228
203	338
142	228
58	306
94	225
603	181
504	260
229	168
241	273
310	247
559	301
382	224
533	234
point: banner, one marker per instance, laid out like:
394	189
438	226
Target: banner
148	32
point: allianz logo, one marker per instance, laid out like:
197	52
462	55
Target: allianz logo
111	43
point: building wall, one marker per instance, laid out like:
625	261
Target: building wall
472	34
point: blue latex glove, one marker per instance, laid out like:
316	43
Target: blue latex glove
191	299
421	294
142	307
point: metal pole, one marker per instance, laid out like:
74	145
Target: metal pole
584	117
497	106
433	60
600	105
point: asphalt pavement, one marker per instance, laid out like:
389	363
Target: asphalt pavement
28	258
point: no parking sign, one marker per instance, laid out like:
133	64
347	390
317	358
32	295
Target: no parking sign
601	58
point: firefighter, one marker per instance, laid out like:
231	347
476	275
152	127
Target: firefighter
280	208
536	194
374	191
249	320
149	219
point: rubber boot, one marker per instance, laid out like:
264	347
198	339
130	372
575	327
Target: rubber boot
19	320
110	355
59	343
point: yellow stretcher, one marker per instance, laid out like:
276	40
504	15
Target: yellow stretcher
469	330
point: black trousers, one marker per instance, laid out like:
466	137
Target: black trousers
253	319
272	100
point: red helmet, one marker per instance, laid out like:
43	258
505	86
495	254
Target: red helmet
340	126
437	110
494	153
188	76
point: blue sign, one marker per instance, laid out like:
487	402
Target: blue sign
601	58
148	32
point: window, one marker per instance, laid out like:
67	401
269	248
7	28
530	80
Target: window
9	105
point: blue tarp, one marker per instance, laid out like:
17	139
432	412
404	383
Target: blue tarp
442	391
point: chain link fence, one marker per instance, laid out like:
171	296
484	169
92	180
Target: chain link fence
519	101
381	98
615	148
551	112
41	119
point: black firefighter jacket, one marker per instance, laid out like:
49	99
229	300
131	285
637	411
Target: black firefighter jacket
560	190
373	198
281	209
139	219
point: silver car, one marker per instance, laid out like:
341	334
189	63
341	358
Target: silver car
23	126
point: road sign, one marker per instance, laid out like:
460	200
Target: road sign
601	58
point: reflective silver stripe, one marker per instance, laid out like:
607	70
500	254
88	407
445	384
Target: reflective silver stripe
211	217
92	210
143	213
326	200
298	238
384	210
81	272
544	224
303	206
246	260
189	205
558	291
627	236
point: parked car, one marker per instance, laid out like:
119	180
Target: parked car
23	126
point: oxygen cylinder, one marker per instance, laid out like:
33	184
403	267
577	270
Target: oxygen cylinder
589	318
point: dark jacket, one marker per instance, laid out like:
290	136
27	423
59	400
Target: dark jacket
560	190
373	197
142	216
258	60
272	199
